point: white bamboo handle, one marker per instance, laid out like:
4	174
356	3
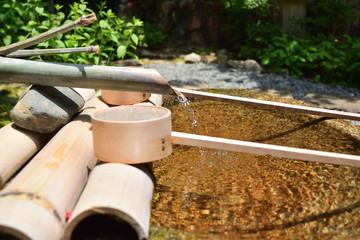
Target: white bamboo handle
270	105
260	148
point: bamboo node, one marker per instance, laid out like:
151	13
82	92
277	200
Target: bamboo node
86	19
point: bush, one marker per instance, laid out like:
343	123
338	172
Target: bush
116	37
323	59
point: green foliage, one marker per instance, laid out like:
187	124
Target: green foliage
329	17
116	37
9	94
154	35
327	60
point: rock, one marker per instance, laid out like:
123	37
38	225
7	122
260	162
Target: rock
235	64
192	58
247	65
144	53
45	109
131	62
222	57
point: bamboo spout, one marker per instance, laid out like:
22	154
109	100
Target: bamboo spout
83	76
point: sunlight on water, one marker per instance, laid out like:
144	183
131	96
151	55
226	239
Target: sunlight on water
228	195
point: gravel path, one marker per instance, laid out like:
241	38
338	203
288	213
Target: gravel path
217	76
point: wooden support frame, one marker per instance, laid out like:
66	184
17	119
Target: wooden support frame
260	148
269	105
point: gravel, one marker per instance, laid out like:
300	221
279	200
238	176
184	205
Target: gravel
217	76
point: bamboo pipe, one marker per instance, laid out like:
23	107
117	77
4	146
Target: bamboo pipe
85	76
39	52
269	105
124	200
117	194
19	144
82	21
35	202
260	148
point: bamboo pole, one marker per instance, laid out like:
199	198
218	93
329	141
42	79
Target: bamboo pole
35	202
269	105
119	194
39	52
82	21
85	76
260	148
18	145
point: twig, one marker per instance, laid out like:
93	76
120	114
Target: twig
29	53
82	21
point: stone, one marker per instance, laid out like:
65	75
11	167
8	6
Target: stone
247	65
221	57
130	63
192	58
334	101
45	109
144	53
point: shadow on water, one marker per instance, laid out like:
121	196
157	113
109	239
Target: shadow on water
227	195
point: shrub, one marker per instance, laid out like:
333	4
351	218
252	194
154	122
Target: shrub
116	37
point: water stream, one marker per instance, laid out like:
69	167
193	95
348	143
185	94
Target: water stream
228	195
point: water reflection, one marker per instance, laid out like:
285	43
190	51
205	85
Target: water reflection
228	195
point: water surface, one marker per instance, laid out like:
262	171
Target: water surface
227	195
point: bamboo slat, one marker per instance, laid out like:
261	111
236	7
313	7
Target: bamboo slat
18	145
260	148
269	105
82	21
35	202
83	76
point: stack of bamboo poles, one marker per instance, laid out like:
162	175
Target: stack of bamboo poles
35	203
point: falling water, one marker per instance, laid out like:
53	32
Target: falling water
189	112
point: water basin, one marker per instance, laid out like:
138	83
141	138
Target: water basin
226	195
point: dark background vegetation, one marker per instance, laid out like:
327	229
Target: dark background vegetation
328	49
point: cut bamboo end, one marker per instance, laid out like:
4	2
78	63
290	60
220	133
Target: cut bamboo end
86	19
123	97
24	219
94	49
123	203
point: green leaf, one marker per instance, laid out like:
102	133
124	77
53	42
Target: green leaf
60	44
103	24
7	39
82	7
39	10
135	38
121	51
133	56
265	61
127	32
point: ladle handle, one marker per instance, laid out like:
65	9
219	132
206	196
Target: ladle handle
266	149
